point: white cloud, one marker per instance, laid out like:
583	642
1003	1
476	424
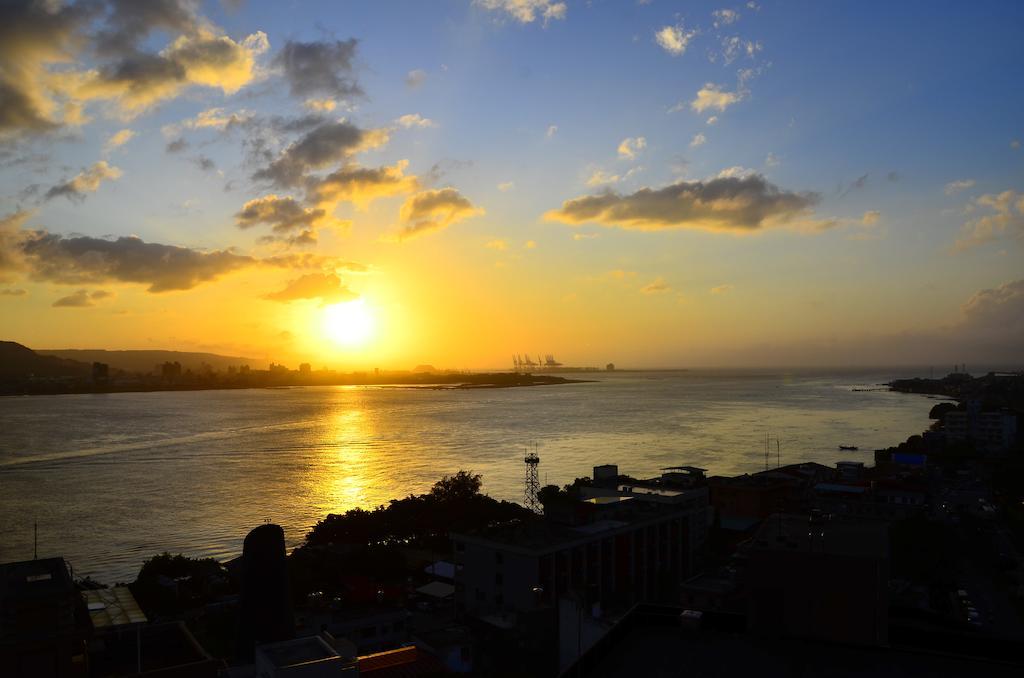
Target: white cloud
772	160
724	17
415	78
674	39
630	146
698	140
119	139
713	119
1006	216
506	186
410	120
723	289
871	217
712	96
526	11
552	129
954	187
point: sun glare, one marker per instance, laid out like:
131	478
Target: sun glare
350	323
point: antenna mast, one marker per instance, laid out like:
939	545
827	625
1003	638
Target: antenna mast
532	485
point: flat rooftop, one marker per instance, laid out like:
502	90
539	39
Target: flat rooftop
795	532
298	651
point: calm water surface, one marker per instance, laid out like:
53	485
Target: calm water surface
114	478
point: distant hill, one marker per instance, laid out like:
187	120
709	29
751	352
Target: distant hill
18	361
145	362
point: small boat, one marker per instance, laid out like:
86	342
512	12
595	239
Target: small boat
848	447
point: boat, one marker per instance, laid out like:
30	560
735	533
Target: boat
848	447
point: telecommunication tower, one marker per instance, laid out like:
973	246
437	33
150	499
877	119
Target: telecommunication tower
532	486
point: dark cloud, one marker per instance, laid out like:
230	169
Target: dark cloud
857	184
323	145
310	261
32	34
13	292
282	213
204	163
434	210
130	21
892	177
327	287
361	185
324	68
177	146
75	260
736	203
86	181
81	299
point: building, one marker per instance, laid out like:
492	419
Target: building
166	650
44	623
310	657
810	577
989	431
615	545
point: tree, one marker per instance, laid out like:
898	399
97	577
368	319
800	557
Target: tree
461	486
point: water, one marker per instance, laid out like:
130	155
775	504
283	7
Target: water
112	479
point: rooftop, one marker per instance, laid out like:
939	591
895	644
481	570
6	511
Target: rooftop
113	607
793	532
297	651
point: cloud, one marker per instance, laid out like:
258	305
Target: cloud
772	160
129	23
433	210
506	186
656	286
711	120
177	145
599	177
725	17
319	68
1015	144
325	144
139	80
283	214
698	140
630	146
499	245
204	163
320	105
33	35
871	217
723	289
585	236
211	118
1000	309
49	257
13	292
552	129
119	139
1006	216
526	11
674	39
327	287
712	96
86	181
955	187
621	274
361	185
530	245
81	299
738	204
415	78
414	120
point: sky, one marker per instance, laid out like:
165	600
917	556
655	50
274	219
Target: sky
385	184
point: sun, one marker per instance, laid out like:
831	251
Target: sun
350	323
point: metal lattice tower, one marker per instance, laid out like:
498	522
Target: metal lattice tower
532	486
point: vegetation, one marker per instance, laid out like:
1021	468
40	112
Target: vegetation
169	584
454	504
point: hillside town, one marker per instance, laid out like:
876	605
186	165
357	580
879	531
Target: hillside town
910	565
